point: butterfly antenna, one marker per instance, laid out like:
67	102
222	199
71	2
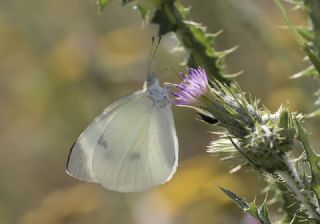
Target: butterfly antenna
153	51
149	57
171	69
168	85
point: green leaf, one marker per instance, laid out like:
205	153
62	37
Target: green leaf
243	204
313	159
313	57
102	4
260	213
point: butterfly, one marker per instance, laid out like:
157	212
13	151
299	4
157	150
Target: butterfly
132	145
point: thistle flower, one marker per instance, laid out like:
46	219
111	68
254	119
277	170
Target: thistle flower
215	101
193	86
248	219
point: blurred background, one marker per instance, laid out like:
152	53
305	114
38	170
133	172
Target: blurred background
62	62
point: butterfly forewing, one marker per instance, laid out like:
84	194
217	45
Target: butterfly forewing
79	163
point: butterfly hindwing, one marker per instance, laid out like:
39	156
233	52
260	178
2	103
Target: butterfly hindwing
141	147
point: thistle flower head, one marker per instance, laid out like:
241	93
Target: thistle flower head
194	84
262	141
217	101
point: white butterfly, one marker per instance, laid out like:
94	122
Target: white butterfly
132	145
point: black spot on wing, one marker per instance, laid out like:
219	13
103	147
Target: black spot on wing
108	154
134	156
103	142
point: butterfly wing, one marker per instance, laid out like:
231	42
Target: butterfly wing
130	147
141	148
79	164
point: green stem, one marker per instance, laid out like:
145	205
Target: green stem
290	205
172	16
314	15
293	184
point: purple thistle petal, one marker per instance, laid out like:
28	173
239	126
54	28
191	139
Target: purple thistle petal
194	84
248	219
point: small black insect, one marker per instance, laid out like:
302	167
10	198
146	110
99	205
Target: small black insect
208	119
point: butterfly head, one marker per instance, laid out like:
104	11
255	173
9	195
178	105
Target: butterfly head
159	95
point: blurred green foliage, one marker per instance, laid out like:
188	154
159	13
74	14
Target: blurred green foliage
63	62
